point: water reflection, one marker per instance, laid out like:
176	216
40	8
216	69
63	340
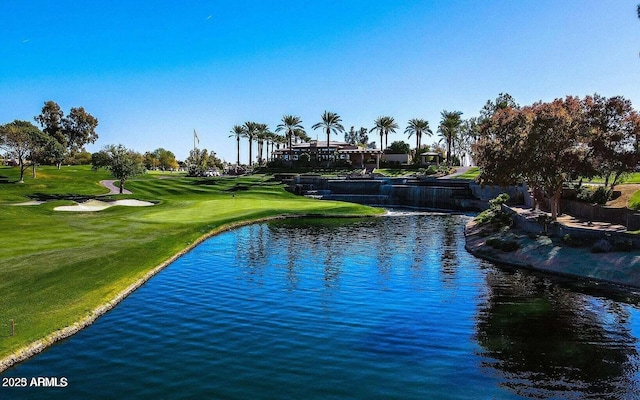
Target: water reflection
547	341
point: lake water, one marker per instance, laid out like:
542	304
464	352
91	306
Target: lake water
382	308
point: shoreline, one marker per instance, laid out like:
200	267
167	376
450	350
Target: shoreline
546	255
40	345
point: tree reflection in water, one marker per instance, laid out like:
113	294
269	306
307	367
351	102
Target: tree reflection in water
547	341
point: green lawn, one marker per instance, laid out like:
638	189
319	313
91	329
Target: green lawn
56	267
471	174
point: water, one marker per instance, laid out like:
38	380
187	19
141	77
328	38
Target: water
391	307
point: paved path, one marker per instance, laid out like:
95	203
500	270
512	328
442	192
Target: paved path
113	189
459	171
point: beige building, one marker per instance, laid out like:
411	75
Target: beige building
317	150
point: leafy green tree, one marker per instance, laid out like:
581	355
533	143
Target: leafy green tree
198	162
79	128
449	126
398	147
291	126
238	132
331	122
122	162
357	137
612	130
160	158
73	131
50	119
543	144
23	141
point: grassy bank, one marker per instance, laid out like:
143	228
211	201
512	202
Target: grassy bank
57	267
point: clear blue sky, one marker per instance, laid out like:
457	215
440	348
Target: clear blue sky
153	71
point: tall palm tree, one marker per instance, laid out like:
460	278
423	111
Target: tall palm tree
384	125
250	131
331	123
379	126
449	126
418	127
238	132
390	125
291	125
262	131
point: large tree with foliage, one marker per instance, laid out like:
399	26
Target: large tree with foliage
23	141
73	131
611	126
331	122
160	158
358	137
547	144
122	162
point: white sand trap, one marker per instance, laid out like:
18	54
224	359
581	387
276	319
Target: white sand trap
96	205
29	203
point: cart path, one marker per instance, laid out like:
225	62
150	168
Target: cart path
113	189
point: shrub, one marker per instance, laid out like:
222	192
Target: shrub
571	241
494	215
622	245
506	245
509	245
602	246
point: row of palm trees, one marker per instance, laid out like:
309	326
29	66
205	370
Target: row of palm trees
293	131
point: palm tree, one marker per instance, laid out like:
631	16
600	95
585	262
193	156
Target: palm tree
418	127
262	132
292	126
390	126
379	126
449	126
238	132
384	125
331	123
250	131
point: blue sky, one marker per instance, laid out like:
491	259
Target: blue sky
153	71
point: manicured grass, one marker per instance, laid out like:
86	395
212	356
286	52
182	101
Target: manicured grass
471	174
634	201
56	267
630	178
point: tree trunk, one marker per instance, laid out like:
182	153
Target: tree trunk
121	185
33	165
328	148
238	151
250	147
555	203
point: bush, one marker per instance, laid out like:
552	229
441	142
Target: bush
602	246
494	215
571	241
506	245
587	195
623	245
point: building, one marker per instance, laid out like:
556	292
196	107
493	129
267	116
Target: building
358	156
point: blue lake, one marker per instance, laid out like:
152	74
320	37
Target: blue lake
390	307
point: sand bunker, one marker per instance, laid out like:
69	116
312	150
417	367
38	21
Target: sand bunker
96	205
29	203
